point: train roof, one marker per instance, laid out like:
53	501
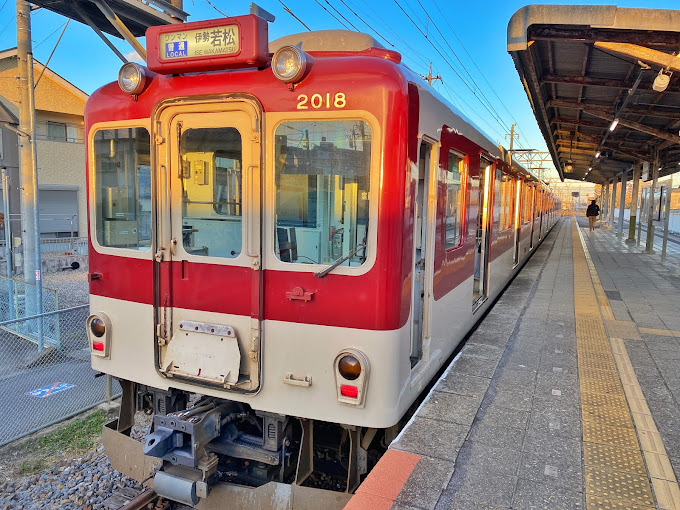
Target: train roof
355	42
327	40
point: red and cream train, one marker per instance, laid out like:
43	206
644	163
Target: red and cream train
301	232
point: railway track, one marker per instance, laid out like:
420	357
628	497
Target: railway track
145	500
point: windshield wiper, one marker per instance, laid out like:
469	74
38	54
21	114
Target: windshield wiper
335	264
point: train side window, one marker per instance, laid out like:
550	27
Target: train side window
322	179
527	203
212	186
122	188
505	201
455	179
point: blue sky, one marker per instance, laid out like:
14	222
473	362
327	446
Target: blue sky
475	31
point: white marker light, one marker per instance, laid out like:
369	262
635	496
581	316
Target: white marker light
615	123
597	154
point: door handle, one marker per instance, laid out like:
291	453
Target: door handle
305	382
254	215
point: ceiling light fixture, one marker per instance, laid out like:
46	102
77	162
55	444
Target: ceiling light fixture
615	123
597	154
661	81
570	164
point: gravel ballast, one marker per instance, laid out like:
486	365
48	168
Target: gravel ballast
81	483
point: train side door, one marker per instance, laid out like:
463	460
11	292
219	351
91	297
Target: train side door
532	215
208	271
517	219
482	233
423	248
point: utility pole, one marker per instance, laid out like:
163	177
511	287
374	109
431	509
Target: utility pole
429	78
512	136
29	170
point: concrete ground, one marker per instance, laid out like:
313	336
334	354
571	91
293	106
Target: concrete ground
565	397
23	369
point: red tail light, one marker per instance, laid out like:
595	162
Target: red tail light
349	391
99	335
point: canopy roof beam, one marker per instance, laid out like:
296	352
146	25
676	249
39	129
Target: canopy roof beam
643	53
120	26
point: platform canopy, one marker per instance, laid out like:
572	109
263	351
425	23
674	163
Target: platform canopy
137	16
587	69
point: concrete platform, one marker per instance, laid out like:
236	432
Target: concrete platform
566	396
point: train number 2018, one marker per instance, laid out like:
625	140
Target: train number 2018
318	101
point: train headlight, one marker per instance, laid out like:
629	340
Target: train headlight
351	377
99	334
290	63
131	78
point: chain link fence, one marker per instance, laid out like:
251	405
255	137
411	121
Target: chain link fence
40	387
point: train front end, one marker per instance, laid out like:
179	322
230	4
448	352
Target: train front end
249	266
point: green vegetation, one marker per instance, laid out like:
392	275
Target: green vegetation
73	439
76	437
30	466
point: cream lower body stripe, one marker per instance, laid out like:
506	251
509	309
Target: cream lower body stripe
613	448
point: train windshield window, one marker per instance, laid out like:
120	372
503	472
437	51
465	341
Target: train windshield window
322	191
123	188
212	187
455	177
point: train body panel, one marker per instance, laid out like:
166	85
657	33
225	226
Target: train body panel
310	251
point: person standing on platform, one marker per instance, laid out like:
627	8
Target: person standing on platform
592	213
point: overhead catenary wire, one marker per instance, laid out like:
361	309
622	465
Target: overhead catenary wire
341	15
51	54
405	50
475	63
483	119
333	15
417	58
217	8
365	23
46	38
484	101
285	8
7	24
474	83
425	35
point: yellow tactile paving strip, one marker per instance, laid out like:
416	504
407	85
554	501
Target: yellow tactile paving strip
622	449
661	332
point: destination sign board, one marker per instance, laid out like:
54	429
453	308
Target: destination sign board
229	43
207	42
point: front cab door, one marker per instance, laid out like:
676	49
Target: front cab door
208	270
